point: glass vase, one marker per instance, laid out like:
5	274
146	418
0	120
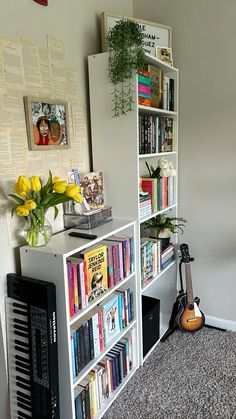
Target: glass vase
36	232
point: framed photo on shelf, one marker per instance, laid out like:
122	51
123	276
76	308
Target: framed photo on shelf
46	123
154	33
164	54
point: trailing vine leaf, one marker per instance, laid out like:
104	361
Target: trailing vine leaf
126	56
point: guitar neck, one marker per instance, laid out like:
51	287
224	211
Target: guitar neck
189	287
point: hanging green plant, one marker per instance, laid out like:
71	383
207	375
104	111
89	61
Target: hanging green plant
126	55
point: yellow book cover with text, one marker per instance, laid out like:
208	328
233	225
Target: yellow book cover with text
96	271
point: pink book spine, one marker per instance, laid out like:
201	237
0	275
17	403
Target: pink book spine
75	288
121	261
164	196
144	88
82	285
70	288
100	328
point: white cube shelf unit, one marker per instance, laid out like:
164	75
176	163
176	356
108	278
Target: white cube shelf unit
49	263
115	142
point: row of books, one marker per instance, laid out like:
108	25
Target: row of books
91	272
155	89
93	391
156	134
153	258
90	335
161	191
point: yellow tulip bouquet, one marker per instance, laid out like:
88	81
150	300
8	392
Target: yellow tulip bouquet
33	200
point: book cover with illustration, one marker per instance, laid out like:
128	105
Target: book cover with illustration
92	189
96	270
111	325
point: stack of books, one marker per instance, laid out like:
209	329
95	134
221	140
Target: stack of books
167	255
150	185
93	332
145	205
93	391
166	191
144	88
94	270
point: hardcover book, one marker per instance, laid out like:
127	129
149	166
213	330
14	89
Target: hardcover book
92	189
96	270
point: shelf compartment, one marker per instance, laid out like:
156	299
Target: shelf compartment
94	361
97	301
153	280
154	214
115	393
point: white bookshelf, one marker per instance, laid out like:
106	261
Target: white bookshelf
115	143
49	263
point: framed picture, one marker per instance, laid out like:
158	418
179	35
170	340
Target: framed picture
46	123
155	34
164	54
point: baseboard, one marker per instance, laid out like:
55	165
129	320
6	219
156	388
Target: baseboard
220	323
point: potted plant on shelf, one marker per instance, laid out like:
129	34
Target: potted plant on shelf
126	55
162	226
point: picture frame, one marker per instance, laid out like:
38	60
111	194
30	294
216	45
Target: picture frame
164	54
47	123
155	34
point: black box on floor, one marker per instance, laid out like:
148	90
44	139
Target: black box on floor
151	322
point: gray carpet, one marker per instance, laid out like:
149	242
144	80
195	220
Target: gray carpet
189	376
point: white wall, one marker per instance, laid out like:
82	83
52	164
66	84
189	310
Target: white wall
204	34
77	23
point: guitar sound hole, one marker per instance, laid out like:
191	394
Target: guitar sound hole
191	307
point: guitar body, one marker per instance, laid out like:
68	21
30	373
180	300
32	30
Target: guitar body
190	318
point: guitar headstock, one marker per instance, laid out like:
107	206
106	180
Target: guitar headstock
185	253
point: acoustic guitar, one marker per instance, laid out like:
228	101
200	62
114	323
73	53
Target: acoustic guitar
190	318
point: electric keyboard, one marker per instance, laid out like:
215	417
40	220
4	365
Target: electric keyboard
32	348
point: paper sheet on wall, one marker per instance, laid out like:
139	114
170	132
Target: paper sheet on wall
52	160
36	164
3	88
79	125
72	84
46	75
13	64
12	101
18	151
5	118
5	145
18	122
30	56
56	59
59	90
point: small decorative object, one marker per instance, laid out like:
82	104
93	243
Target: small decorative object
155	34
162	226
164	168
33	200
126	56
164	54
46	123
92	189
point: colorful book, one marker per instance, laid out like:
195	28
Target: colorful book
110	309
96	270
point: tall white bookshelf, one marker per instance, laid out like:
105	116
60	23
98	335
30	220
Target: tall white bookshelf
49	263
115	143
